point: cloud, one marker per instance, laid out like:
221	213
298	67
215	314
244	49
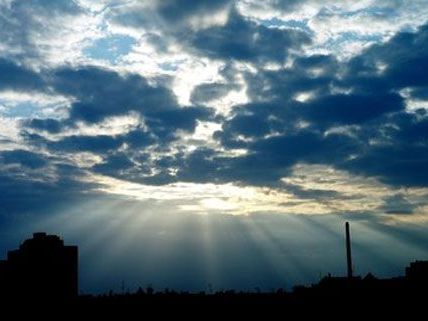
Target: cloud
350	109
24	158
245	40
15	77
344	28
396	64
100	143
169	14
99	94
175	10
301	108
49	125
44	31
100	98
367	132
340	124
194	27
398	204
204	93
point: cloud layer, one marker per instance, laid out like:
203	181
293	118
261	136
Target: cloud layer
263	99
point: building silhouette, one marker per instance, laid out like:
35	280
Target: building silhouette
417	271
43	267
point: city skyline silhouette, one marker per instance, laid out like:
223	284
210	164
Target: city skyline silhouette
44	267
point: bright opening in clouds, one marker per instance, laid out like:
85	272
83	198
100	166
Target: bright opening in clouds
187	143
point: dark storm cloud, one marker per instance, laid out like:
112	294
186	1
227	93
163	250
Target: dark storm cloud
387	142
100	93
115	163
354	118
53	126
15	77
166	121
267	162
243	39
256	120
238	39
97	94
403	60
351	109
308	74
400	164
168	16
271	159
406	57
176	10
402	157
23	158
96	144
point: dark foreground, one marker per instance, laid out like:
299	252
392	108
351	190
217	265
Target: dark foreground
331	297
40	279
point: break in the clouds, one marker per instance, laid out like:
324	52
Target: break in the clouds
215	107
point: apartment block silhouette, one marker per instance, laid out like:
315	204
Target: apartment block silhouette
42	267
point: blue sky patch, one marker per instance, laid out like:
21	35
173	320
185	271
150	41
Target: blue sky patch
110	48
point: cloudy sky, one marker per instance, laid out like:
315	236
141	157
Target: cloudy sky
215	144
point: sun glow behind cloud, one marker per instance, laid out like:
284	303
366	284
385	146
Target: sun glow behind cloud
137	242
310	190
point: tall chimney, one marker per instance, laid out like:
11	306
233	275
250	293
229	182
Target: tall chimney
348	250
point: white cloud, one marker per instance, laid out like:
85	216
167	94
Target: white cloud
304	96
84	159
191	73
208	20
412	103
9	134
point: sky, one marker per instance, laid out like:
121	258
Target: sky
208	145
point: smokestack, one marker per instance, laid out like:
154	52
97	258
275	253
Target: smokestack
348	250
